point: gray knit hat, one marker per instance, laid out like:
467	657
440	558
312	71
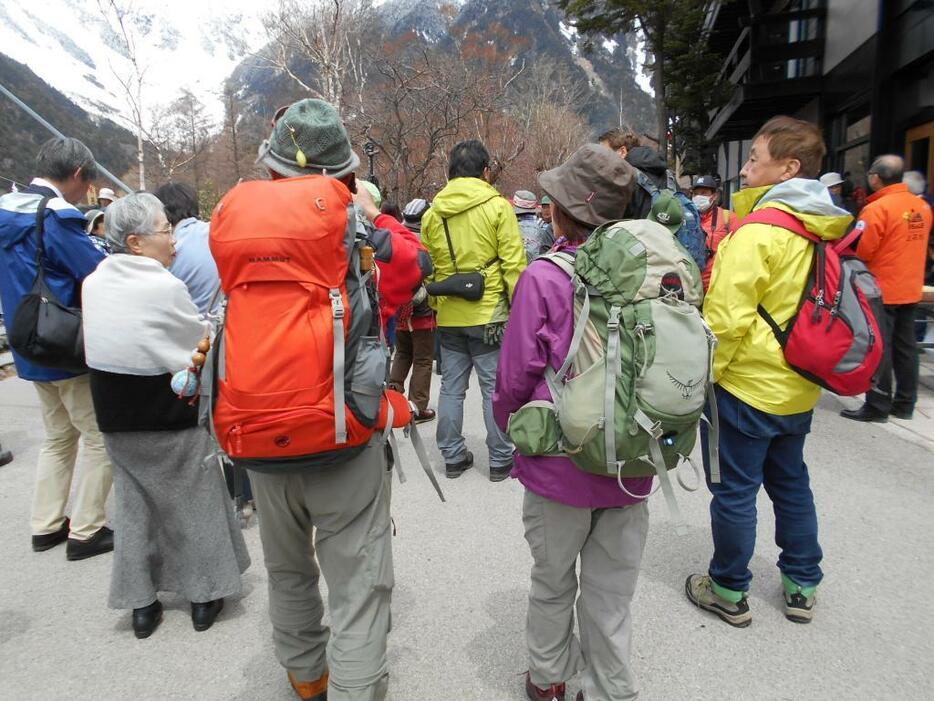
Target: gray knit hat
309	138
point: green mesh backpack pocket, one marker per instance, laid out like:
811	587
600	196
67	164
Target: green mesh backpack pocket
534	429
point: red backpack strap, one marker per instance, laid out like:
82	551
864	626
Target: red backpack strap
779	217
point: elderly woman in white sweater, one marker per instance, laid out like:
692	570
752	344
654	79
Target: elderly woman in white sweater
175	528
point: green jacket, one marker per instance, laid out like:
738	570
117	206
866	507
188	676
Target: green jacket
483	227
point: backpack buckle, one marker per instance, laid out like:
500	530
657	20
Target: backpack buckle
337	304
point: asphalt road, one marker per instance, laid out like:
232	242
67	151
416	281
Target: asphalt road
461	586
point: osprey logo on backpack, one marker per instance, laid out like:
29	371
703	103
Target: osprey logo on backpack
686	388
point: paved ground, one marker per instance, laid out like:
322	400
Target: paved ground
461	583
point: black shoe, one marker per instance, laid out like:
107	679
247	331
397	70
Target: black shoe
6	457
46	541
204	615
98	544
903	414
456	469
147	619
865	413
498	474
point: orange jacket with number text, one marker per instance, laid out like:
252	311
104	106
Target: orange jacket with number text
895	225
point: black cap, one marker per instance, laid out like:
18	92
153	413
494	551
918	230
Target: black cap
706	181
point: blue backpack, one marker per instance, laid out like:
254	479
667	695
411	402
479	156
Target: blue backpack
690	235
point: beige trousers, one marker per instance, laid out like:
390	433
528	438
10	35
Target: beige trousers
609	543
68	414
337	519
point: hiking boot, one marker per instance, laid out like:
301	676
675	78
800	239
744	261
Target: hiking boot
865	413
453	470
555	692
498	474
799	601
700	590
311	691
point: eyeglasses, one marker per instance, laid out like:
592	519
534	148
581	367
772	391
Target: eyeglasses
163	232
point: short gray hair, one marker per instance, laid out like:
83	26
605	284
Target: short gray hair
60	157
889	168
133	214
915	181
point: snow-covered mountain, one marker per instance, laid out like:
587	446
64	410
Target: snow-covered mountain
76	47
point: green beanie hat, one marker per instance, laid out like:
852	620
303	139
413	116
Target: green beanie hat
667	211
309	137
374	191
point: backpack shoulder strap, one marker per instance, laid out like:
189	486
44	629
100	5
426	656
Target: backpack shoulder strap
781	218
645	182
40	231
563	260
447	235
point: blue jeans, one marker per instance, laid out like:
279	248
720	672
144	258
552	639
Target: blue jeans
759	449
462	348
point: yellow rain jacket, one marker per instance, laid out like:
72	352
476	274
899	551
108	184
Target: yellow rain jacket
483	228
761	264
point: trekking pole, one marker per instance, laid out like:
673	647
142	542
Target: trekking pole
371	149
32	113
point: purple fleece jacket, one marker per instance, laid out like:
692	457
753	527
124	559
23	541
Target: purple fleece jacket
539	331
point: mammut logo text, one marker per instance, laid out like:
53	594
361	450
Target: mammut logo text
269	259
687	389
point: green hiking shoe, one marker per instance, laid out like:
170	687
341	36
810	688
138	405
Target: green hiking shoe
799	601
729	605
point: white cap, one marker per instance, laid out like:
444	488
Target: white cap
105	193
830	179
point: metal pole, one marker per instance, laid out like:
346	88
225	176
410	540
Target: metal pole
110	176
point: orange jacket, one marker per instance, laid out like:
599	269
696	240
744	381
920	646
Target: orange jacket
895	225
714	232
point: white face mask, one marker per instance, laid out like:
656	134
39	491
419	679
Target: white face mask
702	202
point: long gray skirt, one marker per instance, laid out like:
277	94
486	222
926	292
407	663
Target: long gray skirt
174	524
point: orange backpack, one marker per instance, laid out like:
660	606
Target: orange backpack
300	364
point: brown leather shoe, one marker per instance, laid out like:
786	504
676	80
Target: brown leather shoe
555	692
311	691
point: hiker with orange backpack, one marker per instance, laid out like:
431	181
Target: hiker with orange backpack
300	368
765	406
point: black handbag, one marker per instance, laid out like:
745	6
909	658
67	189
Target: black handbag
44	331
469	286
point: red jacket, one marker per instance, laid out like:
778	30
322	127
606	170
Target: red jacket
895	225
401	261
716	225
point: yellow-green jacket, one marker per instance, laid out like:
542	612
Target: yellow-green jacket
767	265
483	227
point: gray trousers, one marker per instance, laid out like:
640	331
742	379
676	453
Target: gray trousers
462	348
340	519
609	543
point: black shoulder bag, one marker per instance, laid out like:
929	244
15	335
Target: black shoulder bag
44	331
469	286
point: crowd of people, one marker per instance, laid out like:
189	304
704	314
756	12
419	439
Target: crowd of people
474	281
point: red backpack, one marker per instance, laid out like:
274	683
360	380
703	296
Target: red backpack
300	363
833	339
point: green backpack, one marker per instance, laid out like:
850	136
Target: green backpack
640	361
